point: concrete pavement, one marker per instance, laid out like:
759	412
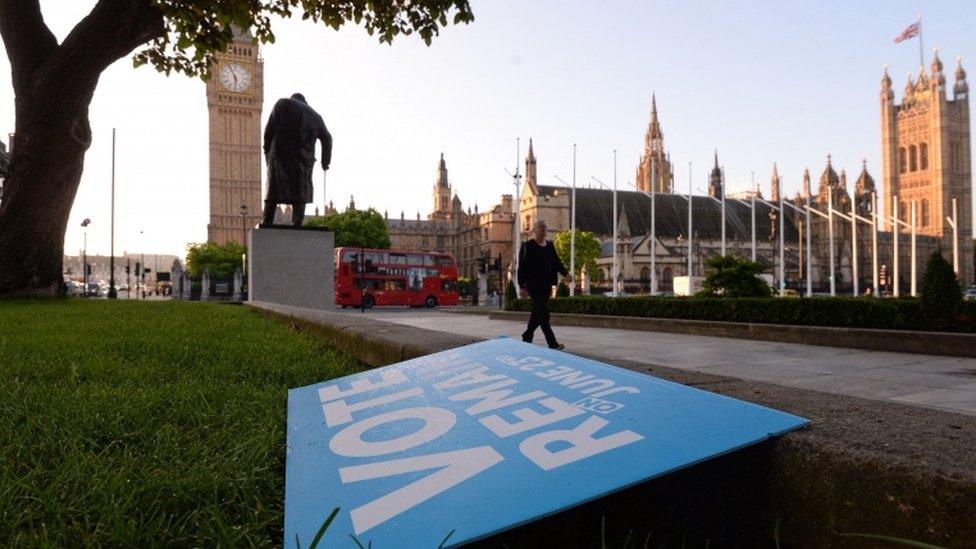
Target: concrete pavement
944	383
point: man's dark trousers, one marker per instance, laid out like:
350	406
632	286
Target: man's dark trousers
540	316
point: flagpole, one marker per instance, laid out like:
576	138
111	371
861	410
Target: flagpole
921	57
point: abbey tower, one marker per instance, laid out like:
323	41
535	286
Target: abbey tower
925	144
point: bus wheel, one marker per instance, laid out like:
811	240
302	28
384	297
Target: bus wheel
431	302
368	301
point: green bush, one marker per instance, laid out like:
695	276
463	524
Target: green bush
562	290
941	294
732	276
845	312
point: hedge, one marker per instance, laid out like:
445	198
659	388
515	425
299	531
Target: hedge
844	312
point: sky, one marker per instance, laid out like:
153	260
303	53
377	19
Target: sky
760	81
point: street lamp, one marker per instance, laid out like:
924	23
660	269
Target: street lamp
84	225
244	224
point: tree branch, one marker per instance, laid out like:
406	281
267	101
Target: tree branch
111	31
28	40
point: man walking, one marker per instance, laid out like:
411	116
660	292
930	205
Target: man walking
289	149
538	265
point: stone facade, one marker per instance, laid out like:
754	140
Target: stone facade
925	144
235	95
935	128
450	228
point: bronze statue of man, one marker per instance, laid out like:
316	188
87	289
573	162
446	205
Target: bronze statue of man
289	150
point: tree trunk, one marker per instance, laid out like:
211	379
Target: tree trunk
48	158
53	86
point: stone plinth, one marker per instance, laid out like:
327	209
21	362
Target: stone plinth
290	266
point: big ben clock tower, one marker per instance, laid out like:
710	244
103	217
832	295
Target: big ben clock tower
235	95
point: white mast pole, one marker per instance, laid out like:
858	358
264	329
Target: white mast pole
722	189
782	250
854	267
894	237
809	251
690	226
955	236
572	229
653	191
615	263
753	216
830	241
914	257
874	244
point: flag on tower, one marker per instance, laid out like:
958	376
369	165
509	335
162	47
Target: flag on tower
910	32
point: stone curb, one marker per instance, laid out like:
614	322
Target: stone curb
862	467
900	341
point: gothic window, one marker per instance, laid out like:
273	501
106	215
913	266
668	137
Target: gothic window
666	280
902	211
645	274
923	156
912	158
902	160
925	212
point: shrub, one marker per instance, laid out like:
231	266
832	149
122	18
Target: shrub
732	276
845	312
941	294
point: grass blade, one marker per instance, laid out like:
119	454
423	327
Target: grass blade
897	541
449	534
322	529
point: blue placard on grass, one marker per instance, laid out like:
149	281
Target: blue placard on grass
483	438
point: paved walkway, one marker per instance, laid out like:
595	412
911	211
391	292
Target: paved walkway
933	381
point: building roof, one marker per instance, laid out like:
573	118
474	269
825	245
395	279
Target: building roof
594	213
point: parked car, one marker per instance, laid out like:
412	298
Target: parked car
970	294
615	294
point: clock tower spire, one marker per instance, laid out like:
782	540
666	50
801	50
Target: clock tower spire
235	95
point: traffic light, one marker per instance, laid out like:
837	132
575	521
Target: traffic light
146	271
498	263
126	269
138	266
88	269
481	264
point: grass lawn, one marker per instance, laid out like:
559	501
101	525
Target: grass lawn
147	424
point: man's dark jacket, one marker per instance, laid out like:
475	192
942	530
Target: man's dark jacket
289	149
538	266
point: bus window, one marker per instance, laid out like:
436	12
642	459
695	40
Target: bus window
394	284
371	284
415	260
445	261
398	259
428	260
348	256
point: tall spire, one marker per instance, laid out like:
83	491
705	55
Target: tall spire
774	185
715	189
442	173
961	88
531	177
654	155
806	182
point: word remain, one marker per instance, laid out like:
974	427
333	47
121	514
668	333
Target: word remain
491	398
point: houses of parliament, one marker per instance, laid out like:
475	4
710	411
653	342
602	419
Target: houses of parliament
926	167
925	141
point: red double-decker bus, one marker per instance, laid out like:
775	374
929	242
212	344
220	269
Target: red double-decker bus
367	277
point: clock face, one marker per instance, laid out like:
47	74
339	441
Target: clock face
235	77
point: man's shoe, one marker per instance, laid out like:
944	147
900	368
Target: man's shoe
558	347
